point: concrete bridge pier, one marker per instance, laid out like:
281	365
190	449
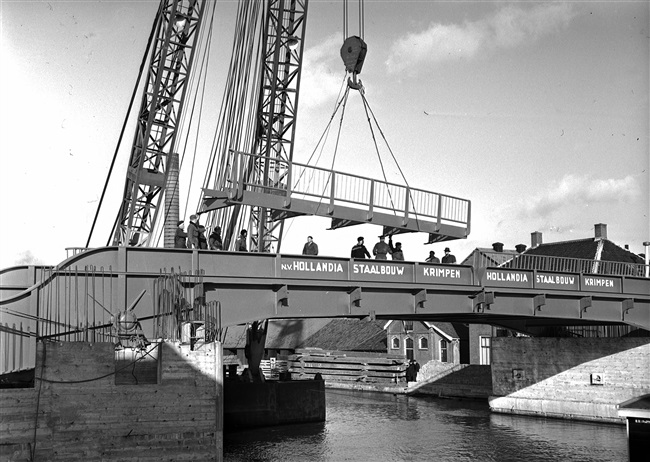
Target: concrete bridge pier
572	378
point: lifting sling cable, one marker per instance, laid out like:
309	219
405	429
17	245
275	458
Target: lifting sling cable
392	155
336	146
323	137
322	140
143	63
374	140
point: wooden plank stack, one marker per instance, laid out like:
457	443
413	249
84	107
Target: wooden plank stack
347	366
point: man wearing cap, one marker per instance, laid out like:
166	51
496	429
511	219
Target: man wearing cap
381	249
180	236
432	258
193	233
359	250
448	258
310	248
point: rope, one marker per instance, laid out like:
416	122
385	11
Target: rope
374	140
126	118
393	156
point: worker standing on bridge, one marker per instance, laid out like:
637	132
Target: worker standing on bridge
203	241
432	258
214	241
396	250
180	237
193	233
448	259
381	249
359	250
310	248
240	243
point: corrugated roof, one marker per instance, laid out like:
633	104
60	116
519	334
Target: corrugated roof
349	335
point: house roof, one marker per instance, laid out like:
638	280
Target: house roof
449	330
586	249
349	335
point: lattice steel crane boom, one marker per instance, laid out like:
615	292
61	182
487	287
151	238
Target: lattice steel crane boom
283	43
172	53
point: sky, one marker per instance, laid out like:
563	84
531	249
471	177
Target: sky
537	112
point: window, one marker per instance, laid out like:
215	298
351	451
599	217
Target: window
395	343
443	351
409	348
484	345
408	326
424	343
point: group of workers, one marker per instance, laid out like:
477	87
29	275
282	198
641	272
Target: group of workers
381	250
195	238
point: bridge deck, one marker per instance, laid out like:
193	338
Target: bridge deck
346	199
77	299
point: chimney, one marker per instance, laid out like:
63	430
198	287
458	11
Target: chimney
601	231
627	247
520	248
171	201
535	239
497	246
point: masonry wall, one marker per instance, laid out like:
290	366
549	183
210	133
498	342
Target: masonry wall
454	380
583	378
81	414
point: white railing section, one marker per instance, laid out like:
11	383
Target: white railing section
332	188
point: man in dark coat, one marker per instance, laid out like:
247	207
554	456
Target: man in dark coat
203	242
359	250
215	242
193	233
310	247
448	258
180	236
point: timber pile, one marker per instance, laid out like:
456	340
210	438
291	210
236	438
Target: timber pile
347	366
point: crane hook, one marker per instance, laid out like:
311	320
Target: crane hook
353	53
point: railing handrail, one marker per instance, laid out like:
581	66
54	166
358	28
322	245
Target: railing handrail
577	265
323	169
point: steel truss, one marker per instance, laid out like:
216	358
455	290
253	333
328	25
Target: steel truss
160	111
277	110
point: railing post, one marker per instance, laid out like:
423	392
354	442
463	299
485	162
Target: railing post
439	213
287	198
371	200
406	206
330	209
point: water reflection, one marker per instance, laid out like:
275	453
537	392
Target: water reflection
367	426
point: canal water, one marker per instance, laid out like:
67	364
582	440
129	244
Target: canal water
362	426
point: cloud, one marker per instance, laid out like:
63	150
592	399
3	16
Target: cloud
27	258
320	82
509	27
574	190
